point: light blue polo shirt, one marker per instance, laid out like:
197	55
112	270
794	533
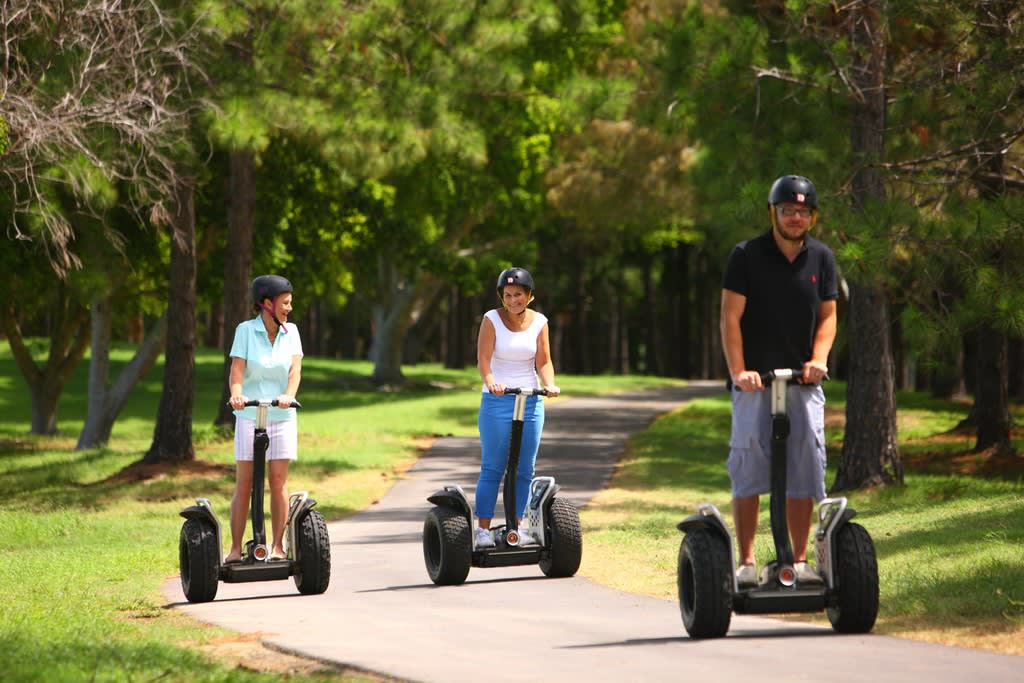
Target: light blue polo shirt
266	365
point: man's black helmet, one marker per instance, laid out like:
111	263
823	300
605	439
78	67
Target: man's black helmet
269	287
793	189
514	276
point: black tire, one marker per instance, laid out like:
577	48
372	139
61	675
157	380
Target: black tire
313	557
856	575
705	583
447	546
199	559
566	540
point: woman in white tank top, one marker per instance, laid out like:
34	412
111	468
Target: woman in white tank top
513	348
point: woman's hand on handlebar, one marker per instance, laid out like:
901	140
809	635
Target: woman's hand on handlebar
237	402
552	390
285	401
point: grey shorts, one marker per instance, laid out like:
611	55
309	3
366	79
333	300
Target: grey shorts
750	445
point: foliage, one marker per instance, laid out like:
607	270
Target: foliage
90	97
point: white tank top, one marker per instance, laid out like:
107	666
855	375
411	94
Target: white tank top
514	361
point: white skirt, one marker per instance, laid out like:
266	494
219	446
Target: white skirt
284	439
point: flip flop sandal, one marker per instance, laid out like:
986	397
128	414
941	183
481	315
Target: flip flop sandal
277	558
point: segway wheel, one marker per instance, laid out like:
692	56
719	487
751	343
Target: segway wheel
313	565
447	546
705	584
198	557
566	540
856	574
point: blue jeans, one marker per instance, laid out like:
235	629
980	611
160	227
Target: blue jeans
495	423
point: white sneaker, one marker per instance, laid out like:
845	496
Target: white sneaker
483	538
807	574
746	576
525	538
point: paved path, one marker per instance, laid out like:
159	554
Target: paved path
382	613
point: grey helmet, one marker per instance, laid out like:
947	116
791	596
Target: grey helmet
793	189
269	287
514	276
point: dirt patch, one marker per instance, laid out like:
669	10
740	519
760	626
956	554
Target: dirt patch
937	454
246	651
991	463
186	469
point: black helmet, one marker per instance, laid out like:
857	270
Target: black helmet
793	189
514	276
269	287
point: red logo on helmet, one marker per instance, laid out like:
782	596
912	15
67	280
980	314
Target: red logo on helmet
801	197
814	278
510	279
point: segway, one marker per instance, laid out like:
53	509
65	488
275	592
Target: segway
306	542
708	589
449	544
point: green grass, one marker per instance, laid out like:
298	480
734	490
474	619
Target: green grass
86	546
951	567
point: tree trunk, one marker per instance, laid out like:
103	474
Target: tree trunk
237	264
455	339
172	436
991	395
870	455
652	363
393	316
1015	363
676	340
68	342
105	402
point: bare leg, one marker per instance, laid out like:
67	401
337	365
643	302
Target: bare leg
278	503
744	513
240	508
484	523
798	515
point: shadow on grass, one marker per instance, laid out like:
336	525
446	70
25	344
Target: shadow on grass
60	656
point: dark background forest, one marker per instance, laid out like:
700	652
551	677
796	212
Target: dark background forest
392	157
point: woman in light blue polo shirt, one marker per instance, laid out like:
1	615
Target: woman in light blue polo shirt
266	363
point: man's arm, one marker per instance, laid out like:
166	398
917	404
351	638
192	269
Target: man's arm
733	305
824	337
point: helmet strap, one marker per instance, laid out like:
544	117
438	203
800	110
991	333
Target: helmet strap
270	310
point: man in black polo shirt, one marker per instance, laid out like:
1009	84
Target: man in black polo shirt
779	311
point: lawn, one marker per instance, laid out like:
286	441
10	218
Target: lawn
89	536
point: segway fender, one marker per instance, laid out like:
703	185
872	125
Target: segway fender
203	509
197	512
453	497
302	509
833	514
707	517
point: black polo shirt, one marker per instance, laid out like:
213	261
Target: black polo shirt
783	299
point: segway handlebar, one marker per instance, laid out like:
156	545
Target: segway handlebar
784	373
528	392
253	402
